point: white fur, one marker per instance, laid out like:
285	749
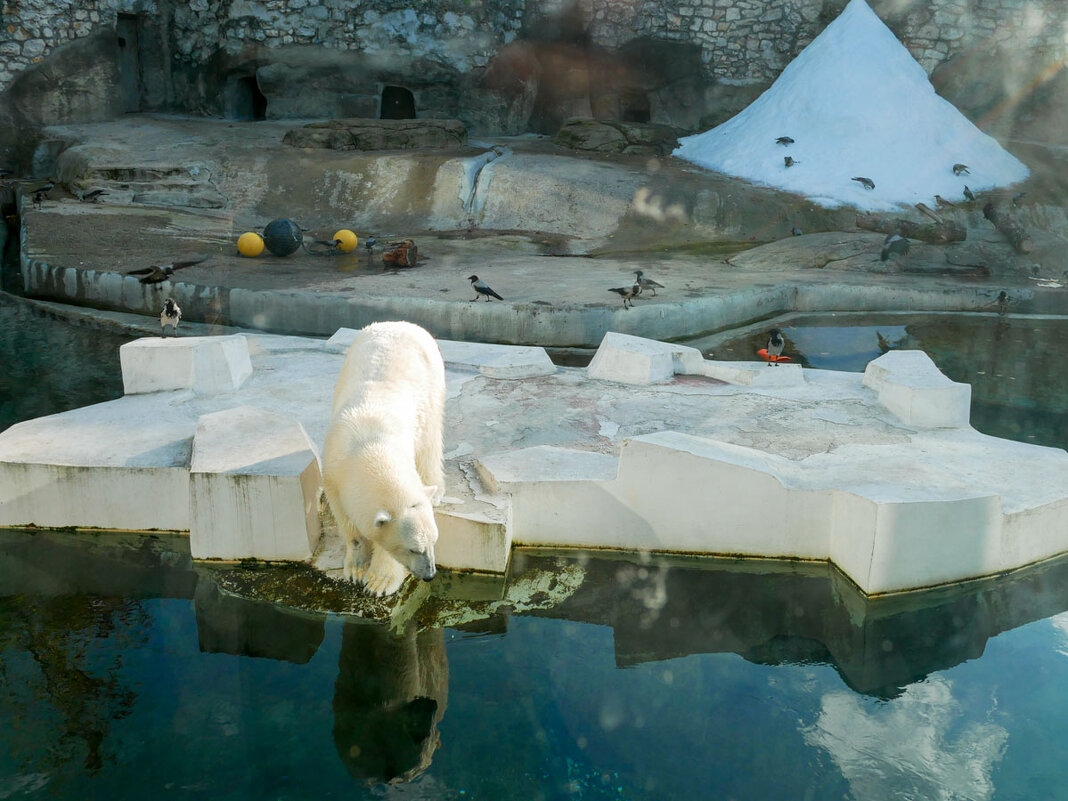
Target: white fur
382	468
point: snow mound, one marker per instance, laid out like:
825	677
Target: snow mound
856	104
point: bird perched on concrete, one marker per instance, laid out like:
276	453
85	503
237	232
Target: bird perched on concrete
170	316
795	231
38	200
894	243
45	188
960	169
158	273
482	289
867	183
784	140
92	196
942	203
969	194
789	161
369	244
646	283
628	293
775	346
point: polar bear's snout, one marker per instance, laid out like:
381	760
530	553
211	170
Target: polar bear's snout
422	565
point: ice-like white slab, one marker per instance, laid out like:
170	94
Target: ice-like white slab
912	387
469	541
636	360
206	365
254	487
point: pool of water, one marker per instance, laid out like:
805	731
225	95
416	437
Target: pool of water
1013	363
127	674
49	365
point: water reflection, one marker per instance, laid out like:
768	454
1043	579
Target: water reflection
107	683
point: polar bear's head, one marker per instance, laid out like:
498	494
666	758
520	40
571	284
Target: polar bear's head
409	532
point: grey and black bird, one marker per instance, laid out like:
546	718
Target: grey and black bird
969	194
93	195
784	140
170	316
482	289
894	243
158	273
789	161
369	244
38	200
867	183
960	169
45	188
628	293
775	346
942	203
795	231
646	283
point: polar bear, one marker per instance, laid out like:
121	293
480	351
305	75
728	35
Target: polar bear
382	464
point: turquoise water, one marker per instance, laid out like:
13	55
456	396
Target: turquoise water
126	674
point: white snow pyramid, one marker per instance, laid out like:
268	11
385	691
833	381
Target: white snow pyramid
856	104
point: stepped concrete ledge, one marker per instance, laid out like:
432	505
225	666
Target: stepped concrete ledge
255	487
911	386
205	365
817	468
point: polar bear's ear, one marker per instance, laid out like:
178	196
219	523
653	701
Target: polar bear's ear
430	490
382	518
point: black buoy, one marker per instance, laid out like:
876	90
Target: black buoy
282	237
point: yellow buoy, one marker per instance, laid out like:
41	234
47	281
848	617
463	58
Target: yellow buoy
250	244
346	240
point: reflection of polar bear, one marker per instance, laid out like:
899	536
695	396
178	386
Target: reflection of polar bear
382	457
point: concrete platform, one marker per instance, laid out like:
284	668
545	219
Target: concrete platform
815	467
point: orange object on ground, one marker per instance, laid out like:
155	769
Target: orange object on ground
763	354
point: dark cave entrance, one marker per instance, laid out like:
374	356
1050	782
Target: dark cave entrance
130	81
634	106
398	103
245	100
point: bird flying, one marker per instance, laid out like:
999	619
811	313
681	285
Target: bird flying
158	273
628	293
789	161
170	316
784	140
481	289
894	243
645	283
867	183
960	169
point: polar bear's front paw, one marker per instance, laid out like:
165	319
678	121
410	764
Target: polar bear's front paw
382	575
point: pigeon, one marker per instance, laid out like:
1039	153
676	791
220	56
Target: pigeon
784	140
93	195
867	183
170	316
158	273
646	283
481	289
942	203
627	293
775	345
789	161
960	169
894	243
969	194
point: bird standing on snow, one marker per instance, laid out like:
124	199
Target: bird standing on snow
628	293
775	346
942	203
867	183
158	273
645	283
969	194
960	169
170	316
894	243
481	289
789	161
784	140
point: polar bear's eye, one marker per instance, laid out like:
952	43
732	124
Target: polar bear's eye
415	551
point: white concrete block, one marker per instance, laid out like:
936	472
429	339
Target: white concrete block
341	341
254	487
502	471
634	360
912	387
472	542
754	374
206	365
498	361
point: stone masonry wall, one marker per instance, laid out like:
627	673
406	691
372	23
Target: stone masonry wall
743	41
